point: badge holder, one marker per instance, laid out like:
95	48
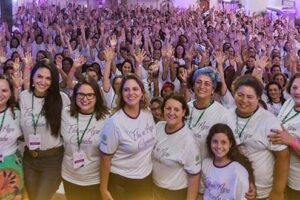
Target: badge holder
78	159
34	142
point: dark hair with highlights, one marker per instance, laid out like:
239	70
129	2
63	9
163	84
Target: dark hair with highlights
53	102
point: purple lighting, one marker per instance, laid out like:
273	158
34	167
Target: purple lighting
184	3
297	4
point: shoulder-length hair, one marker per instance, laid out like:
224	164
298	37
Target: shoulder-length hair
282	99
53	102
11	103
234	153
144	103
100	109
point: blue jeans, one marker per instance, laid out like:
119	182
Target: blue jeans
42	175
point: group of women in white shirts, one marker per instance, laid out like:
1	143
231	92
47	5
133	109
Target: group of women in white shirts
200	150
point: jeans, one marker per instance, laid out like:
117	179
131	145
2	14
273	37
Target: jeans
42	175
78	192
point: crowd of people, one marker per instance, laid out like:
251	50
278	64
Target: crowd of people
138	103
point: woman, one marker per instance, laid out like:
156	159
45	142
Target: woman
290	118
155	106
204	111
275	98
282	80
11	172
227	162
41	108
176	156
81	125
127	141
253	125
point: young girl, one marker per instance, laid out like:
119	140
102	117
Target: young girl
226	174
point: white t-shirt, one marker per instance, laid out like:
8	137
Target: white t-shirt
174	157
89	173
131	141
229	182
10	132
274	107
109	97
256	146
48	141
293	126
201	120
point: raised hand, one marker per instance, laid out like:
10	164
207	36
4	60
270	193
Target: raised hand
139	56
58	61
28	60
262	62
113	41
220	57
109	54
79	61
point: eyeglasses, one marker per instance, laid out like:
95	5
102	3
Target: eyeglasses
89	96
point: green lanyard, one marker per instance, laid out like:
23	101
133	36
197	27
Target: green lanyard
35	122
2	121
286	119
199	118
237	125
79	140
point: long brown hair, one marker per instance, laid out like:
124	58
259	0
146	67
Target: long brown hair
234	152
53	102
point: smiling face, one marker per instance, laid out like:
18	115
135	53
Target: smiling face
203	87
156	110
126	68
132	93
274	92
5	93
174	113
85	99
42	81
246	100
220	146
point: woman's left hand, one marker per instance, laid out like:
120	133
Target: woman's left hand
281	136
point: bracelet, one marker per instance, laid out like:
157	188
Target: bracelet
295	144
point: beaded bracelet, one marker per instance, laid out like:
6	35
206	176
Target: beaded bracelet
295	144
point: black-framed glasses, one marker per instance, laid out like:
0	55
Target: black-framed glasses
89	96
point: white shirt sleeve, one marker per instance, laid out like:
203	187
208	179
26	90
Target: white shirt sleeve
109	141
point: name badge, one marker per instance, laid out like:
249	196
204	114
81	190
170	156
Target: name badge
78	159
34	141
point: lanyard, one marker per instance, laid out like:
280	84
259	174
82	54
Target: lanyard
35	122
79	140
286	119
2	121
199	118
237	125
